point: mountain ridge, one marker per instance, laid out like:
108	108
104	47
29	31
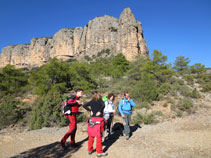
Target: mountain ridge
123	35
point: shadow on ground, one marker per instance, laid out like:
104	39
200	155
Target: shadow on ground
117	130
53	150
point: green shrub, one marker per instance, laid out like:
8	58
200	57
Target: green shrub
195	94
197	68
158	113
164	89
182	89
146	90
204	79
181	64
47	111
180	82
165	105
60	77
146	119
104	51
185	91
12	81
185	105
119	86
189	79
10	113
171	100
120	66
179	113
173	107
86	57
143	105
82	117
206	88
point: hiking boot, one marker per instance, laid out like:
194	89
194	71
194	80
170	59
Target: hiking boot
90	152
127	137
102	154
63	145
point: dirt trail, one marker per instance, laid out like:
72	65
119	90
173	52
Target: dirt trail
188	137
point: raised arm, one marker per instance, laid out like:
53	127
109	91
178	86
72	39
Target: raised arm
132	103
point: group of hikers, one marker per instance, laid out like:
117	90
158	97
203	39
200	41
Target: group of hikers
101	114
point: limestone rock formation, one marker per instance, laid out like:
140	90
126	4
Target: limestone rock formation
123	35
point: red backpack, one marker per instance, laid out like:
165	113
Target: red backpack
94	124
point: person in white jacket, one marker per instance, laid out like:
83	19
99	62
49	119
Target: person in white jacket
109	111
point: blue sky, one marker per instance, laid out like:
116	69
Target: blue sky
175	27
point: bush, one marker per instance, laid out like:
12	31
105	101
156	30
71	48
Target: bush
171	100
143	105
165	105
206	88
173	107
86	57
47	111
12	81
55	74
119	86
179	113
189	79
158	113
10	113
82	117
60	77
103	52
146	90
181	64
197	68
146	119
164	89
120	66
195	94
182	89
204	79
185	105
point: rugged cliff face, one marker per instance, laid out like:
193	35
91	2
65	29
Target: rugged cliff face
123	35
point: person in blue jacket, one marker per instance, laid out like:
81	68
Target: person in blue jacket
125	109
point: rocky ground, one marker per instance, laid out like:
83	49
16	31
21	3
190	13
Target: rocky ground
187	137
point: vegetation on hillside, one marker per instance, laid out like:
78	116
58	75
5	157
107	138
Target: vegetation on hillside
148	79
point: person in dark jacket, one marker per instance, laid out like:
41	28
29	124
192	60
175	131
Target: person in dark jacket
96	107
73	105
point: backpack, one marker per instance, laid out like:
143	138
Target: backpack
66	110
94	126
123	102
105	99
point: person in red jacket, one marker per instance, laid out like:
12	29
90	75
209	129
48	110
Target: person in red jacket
73	104
96	107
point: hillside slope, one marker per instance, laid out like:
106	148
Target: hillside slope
181	137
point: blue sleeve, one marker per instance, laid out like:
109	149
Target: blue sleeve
120	107
132	103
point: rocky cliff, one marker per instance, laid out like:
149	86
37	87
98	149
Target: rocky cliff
123	35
